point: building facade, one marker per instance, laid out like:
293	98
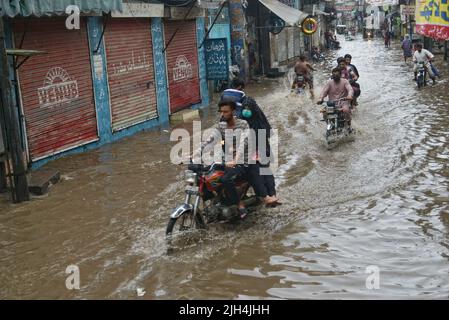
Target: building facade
124	68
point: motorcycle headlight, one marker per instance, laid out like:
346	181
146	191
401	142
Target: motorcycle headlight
190	177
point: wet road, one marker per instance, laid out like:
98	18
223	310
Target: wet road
382	200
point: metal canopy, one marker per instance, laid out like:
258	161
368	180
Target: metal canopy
40	8
23	53
291	16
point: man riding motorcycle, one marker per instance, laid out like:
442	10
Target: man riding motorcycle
337	89
423	56
303	68
232	129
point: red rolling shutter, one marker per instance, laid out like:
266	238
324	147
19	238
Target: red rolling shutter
130	71
56	87
182	64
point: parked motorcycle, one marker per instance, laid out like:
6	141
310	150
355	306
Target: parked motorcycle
205	200
421	77
336	126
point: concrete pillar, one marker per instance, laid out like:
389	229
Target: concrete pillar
238	46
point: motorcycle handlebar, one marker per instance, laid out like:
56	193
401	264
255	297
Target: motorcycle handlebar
323	101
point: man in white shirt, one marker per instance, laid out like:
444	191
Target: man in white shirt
424	56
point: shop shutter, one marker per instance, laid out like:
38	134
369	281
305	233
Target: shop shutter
182	64
130	72
56	87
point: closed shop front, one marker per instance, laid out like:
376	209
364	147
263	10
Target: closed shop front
56	87
297	42
130	67
182	64
282	46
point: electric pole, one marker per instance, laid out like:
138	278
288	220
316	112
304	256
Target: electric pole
15	166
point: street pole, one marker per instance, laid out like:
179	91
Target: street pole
411	27
410	22
445	51
19	183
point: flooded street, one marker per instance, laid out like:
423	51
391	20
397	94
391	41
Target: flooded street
381	201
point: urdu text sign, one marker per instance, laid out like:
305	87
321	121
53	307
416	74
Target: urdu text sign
216	59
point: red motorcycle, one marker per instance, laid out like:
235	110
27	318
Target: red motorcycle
206	200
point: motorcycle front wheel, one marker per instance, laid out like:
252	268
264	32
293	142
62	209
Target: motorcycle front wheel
179	225
184	223
420	84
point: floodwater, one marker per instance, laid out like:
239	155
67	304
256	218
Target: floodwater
376	206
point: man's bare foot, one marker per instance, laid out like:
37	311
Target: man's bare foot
272	201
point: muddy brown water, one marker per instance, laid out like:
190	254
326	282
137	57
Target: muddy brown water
381	200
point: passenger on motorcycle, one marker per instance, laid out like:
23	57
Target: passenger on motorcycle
304	68
351	75
236	130
348	59
423	56
336	89
346	71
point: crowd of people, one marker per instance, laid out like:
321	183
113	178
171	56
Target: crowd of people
343	84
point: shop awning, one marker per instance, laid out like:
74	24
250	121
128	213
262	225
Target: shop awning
39	8
291	16
317	11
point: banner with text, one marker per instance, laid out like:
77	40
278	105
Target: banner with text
432	18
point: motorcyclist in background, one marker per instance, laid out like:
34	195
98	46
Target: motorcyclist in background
304	68
339	89
423	56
